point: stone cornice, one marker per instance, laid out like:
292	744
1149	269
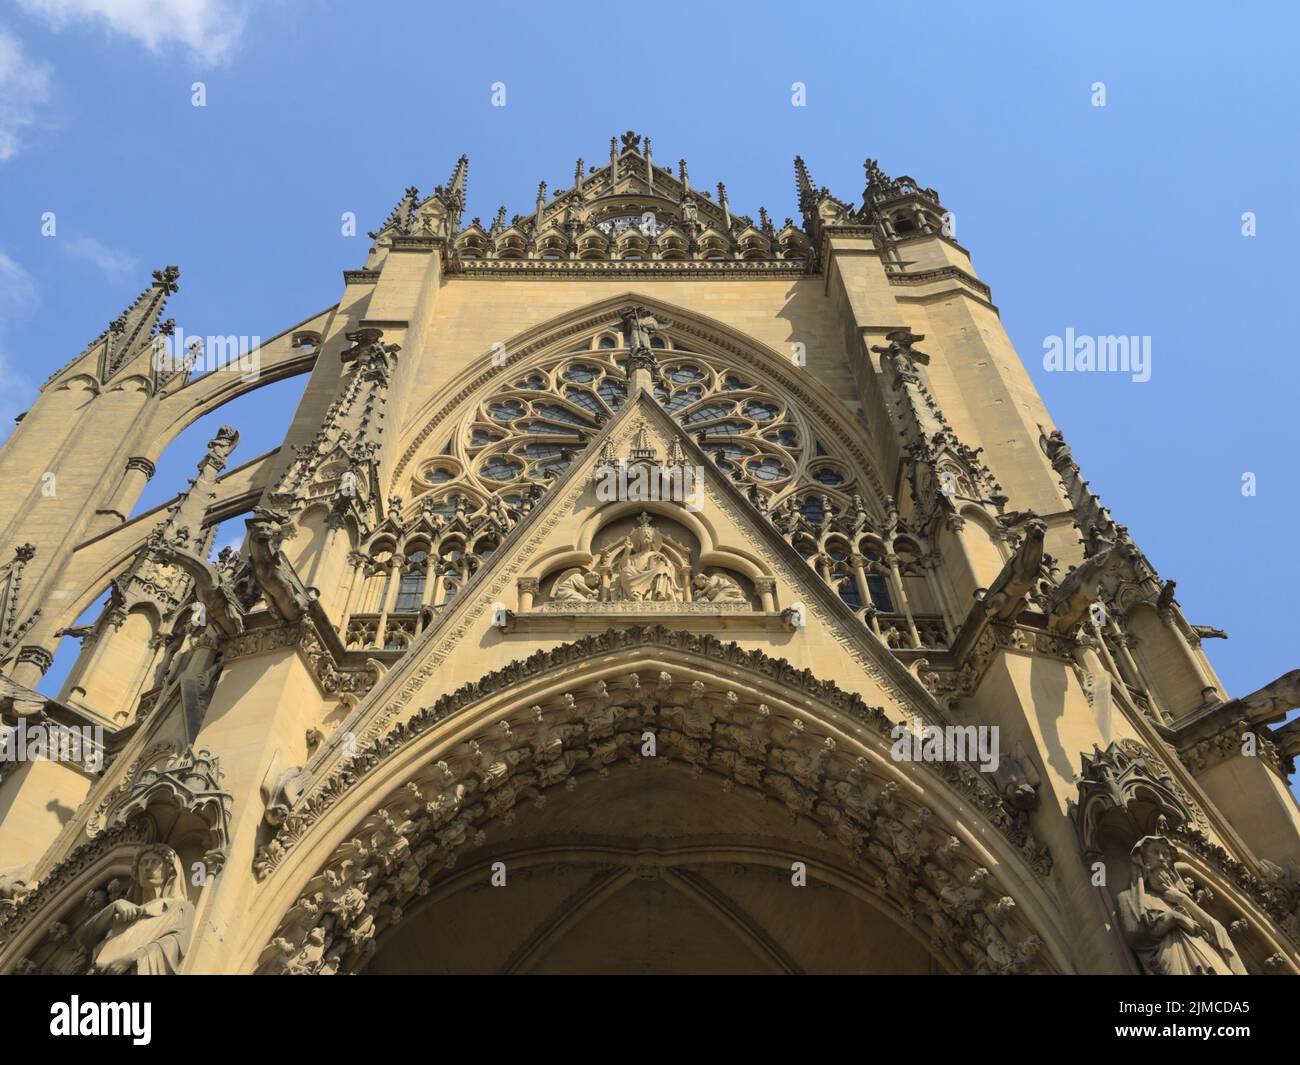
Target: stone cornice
925	277
548	269
416	243
335	669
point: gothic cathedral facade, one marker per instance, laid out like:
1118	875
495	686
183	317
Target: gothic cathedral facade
640	586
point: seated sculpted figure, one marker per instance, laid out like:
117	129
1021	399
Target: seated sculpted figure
576	584
642	571
1170	933
147	932
717	588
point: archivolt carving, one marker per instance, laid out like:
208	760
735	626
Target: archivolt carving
911	861
581	734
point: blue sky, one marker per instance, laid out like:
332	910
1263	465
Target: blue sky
1123	219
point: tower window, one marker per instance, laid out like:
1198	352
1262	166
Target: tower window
879	589
410	591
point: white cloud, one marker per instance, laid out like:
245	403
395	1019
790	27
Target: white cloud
16	286
24	87
210	29
107	259
17	293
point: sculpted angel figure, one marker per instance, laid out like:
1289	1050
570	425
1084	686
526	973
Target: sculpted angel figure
718	588
1170	933
576	584
147	932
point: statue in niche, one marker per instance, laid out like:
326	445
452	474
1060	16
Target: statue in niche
717	588
1168	930
147	932
576	584
639	326
641	570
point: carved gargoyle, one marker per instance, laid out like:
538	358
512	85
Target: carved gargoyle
281	789
1271	703
1082	586
1017	780
286	597
213	591
1005	598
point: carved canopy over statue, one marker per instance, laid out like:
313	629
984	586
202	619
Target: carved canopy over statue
1165	925
147	932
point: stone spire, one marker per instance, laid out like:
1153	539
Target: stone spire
805	190
540	207
152	578
349	440
1099	529
954	469
12	624
401	218
186	516
457	187
132	332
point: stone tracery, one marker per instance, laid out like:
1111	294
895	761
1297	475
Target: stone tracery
518	439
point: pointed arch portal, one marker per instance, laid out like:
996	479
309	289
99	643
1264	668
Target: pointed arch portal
652	801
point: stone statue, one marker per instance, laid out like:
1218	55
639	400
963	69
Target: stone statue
1167	929
147	932
642	572
576	584
639	326
718	588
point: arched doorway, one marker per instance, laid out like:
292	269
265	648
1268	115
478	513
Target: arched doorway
653	798
652	870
